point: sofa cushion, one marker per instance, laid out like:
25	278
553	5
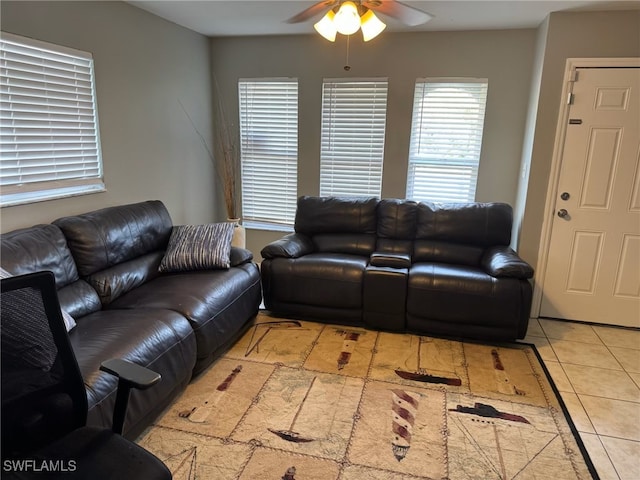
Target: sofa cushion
397	219
38	248
447	252
480	224
351	243
463	295
322	215
161	340
198	247
202	297
79	299
332	280
107	237
112	282
396	226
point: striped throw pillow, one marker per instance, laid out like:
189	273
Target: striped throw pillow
198	247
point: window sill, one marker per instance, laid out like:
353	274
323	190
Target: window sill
24	198
252	225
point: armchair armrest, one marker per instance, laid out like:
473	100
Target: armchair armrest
130	375
293	245
504	262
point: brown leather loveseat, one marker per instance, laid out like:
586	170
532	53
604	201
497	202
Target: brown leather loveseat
399	265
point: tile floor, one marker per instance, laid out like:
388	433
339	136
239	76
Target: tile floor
597	371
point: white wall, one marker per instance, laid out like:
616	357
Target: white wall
504	57
527	146
145	67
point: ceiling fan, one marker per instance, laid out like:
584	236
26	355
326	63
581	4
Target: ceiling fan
348	16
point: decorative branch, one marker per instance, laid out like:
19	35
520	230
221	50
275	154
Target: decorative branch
227	163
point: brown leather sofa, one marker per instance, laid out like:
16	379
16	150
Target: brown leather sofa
106	269
398	265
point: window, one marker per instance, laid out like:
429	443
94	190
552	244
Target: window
446	137
352	145
269	151
49	141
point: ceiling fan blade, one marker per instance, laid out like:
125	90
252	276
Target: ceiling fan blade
312	11
406	14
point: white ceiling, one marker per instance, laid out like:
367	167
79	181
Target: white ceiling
266	17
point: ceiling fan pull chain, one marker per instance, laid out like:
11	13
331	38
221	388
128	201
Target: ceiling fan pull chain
347	67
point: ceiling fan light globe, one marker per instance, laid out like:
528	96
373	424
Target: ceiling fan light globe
371	26
347	20
326	26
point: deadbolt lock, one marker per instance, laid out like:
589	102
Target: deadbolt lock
565	196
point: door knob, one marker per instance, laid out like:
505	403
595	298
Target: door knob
562	213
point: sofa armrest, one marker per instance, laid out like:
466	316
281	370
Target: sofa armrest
391	260
293	245
239	256
504	262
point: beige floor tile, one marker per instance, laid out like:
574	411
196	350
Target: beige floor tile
587	354
543	346
635	377
577	413
613	418
559	377
602	382
570	331
618	337
625	456
629	358
599	457
534	329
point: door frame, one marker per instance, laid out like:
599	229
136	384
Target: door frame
556	162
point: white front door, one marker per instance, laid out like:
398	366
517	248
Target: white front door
593	264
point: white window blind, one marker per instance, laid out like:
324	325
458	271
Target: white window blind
446	138
49	139
352	144
269	150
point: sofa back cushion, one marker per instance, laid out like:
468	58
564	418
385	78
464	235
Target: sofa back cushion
37	248
338	224
118	248
459	233
114	281
396	226
352	243
44	247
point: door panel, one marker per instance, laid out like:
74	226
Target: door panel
584	262
593	264
602	159
628	280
